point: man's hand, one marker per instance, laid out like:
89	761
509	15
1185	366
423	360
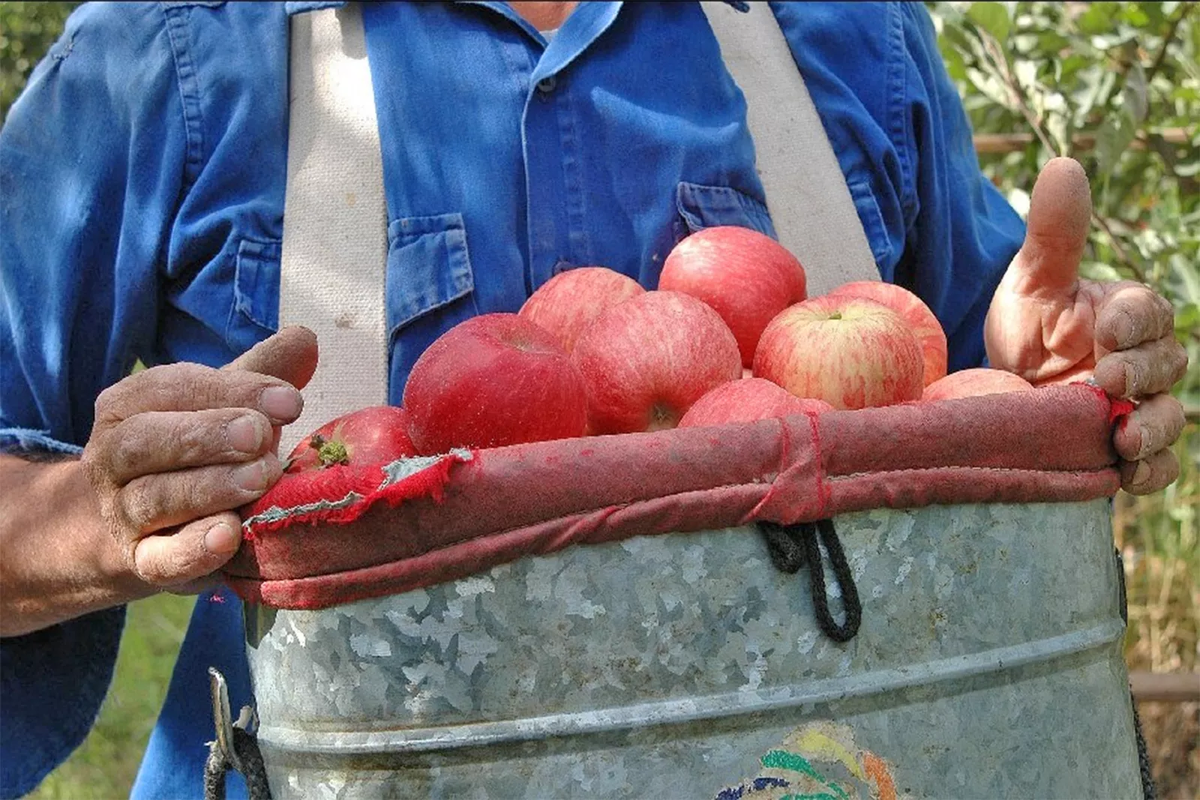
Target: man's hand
1049	326
175	450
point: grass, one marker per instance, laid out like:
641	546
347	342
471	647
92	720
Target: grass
103	768
1160	538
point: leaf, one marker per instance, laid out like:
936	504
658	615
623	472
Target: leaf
1100	271
1134	15
1188	275
1187	170
1098	18
992	17
954	65
1187	322
1051	43
1113	138
1135	93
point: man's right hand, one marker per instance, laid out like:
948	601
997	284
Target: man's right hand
176	450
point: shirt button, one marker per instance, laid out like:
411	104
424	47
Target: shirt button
547	84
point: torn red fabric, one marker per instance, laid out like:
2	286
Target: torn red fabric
469	512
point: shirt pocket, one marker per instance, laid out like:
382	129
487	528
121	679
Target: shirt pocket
702	206
429	268
255	293
430	288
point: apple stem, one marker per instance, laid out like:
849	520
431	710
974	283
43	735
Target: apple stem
329	452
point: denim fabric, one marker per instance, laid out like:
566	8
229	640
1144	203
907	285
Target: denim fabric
142	181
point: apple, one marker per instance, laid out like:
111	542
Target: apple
491	381
747	400
333	459
570	301
975	382
850	352
646	361
747	277
368	436
918	316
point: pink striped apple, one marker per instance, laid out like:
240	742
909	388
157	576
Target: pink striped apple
914	311
975	382
647	360
848	351
569	302
747	277
747	400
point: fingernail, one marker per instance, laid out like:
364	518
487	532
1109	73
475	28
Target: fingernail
281	402
245	434
252	477
221	539
1141	474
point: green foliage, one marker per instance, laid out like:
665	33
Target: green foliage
106	763
1117	87
26	32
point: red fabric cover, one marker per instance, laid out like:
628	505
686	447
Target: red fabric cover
463	516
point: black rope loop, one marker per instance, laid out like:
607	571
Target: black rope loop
793	546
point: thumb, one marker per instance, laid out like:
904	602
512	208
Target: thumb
290	354
1060	214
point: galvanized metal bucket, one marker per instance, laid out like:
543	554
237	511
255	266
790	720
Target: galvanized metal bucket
684	665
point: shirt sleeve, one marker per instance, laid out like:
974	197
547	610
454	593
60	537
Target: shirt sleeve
935	223
92	161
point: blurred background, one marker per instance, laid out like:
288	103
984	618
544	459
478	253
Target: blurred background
1114	85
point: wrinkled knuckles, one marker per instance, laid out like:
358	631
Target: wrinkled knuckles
1180	357
1151	474
140	507
165	561
181	561
123	451
1164	420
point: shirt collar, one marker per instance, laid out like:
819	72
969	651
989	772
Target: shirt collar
293	8
300	6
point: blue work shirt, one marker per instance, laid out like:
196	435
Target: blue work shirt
142	177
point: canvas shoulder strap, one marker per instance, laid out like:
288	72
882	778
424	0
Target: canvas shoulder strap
334	261
335	241
806	191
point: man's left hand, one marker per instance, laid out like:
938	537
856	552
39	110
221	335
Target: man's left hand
1048	325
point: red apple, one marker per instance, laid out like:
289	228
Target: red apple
367	437
747	400
918	316
337	458
975	382
570	301
746	276
848	351
490	381
645	361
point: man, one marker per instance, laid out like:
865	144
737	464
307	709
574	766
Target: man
143	176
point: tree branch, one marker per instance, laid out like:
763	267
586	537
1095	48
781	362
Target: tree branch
1119	249
1168	38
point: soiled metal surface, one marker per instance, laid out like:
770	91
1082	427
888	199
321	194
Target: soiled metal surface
988	665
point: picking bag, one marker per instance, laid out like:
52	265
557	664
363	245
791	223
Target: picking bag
423	521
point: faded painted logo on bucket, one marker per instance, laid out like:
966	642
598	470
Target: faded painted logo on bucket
817	762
